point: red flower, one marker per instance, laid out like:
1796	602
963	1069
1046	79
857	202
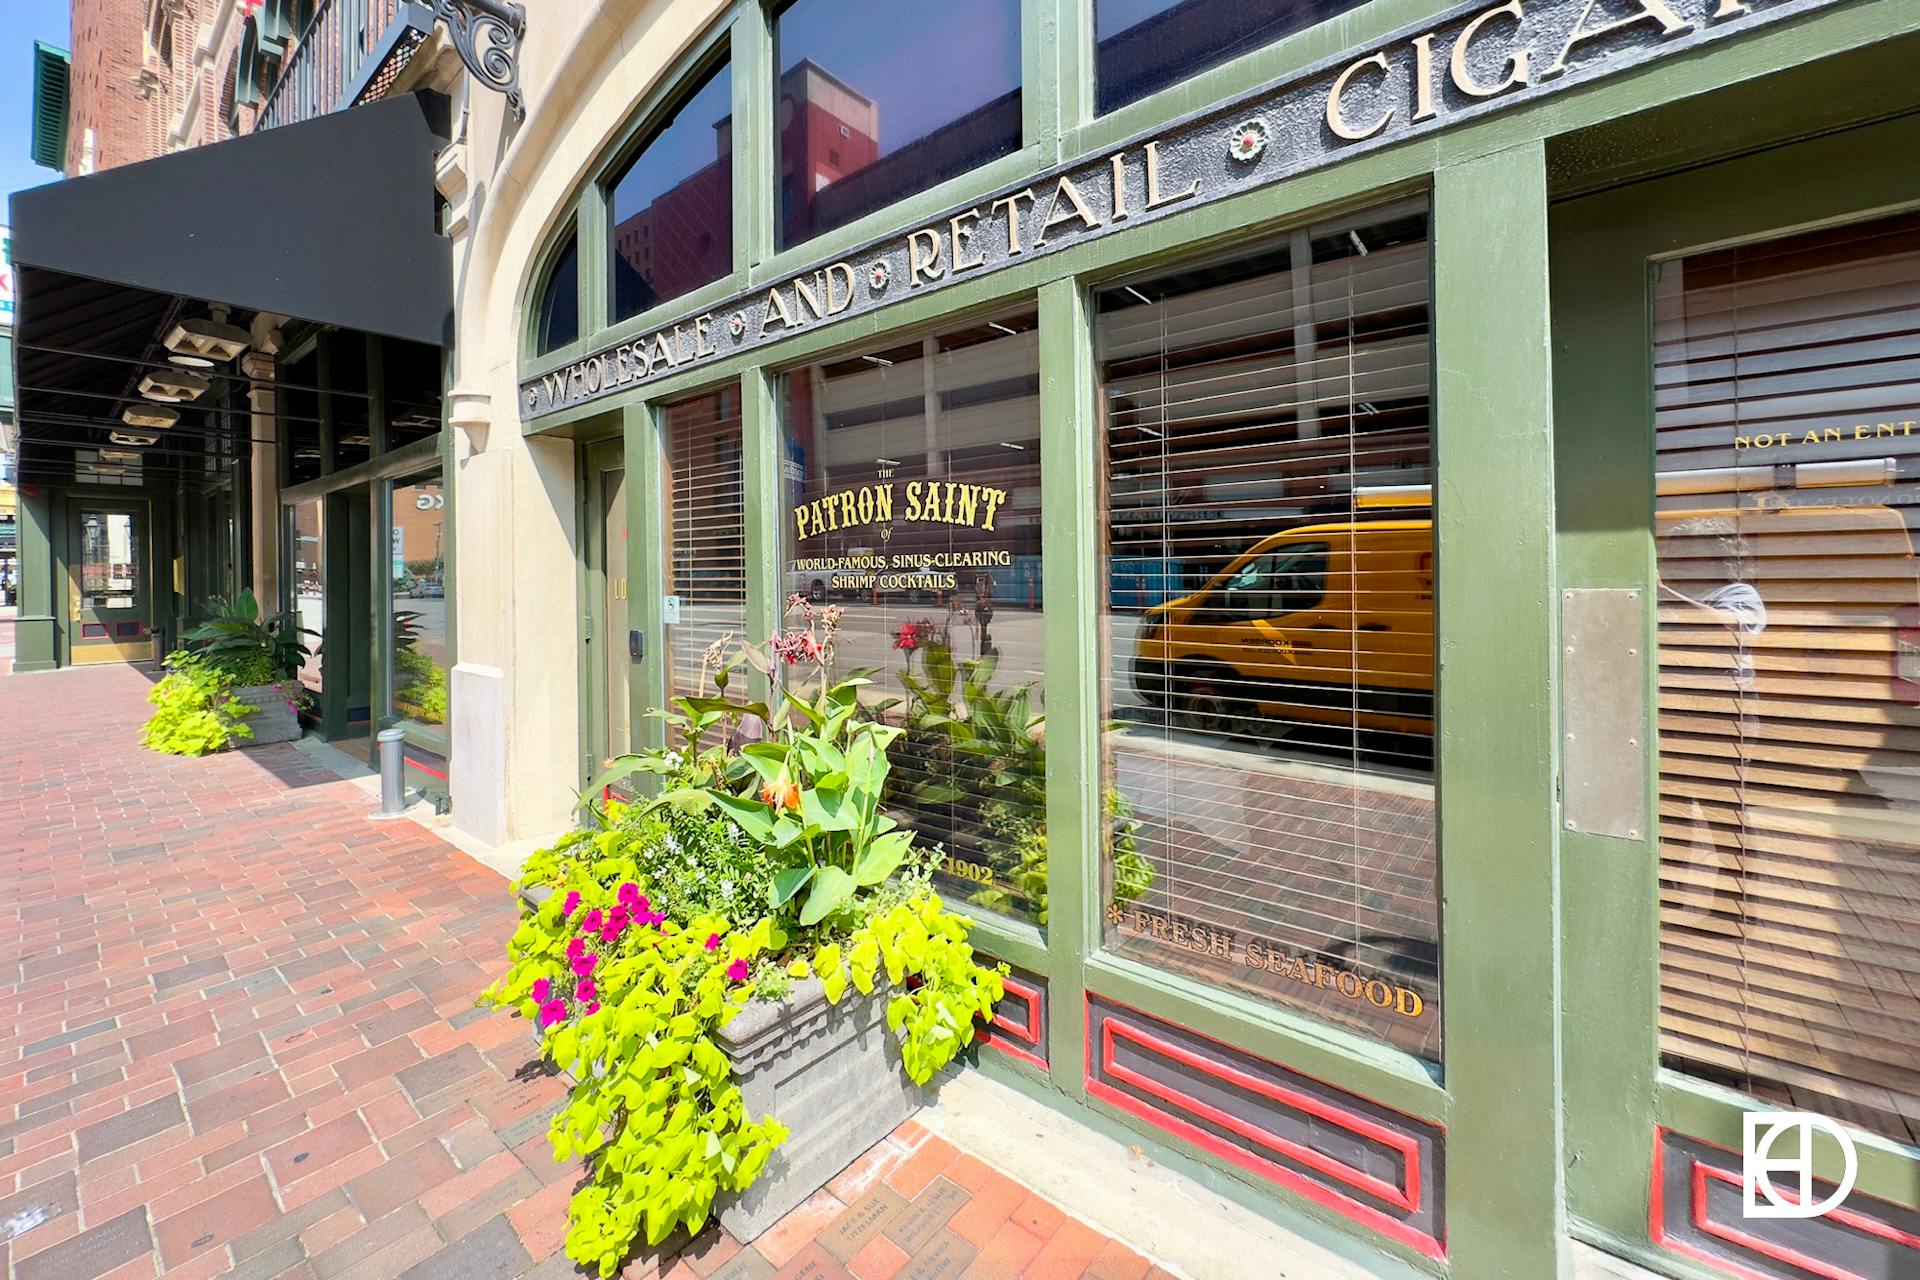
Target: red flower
907	637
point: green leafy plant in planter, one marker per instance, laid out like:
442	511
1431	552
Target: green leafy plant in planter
194	710
762	857
956	724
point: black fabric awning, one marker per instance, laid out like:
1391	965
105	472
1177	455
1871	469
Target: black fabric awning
330	221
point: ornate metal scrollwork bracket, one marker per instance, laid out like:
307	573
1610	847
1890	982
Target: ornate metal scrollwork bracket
487	34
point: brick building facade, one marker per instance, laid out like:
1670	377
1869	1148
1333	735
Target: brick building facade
150	77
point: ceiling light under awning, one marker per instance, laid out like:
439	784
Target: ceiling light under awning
173	385
155	417
206	341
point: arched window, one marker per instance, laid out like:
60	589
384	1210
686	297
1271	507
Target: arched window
557	322
672	204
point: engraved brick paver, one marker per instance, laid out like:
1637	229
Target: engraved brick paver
241	1040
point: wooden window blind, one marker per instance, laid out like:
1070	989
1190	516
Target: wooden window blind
1269	625
706	534
1787	382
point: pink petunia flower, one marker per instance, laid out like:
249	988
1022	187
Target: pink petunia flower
737	971
551	1012
584	991
571	905
593	1006
583	967
713	942
576	948
594	919
541	990
629	894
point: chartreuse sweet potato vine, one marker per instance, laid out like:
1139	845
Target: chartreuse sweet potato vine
749	869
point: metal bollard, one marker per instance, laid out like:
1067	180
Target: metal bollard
393	791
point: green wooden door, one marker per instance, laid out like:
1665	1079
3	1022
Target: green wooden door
606	721
1735	353
110	583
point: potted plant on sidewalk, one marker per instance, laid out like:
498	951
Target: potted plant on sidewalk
231	681
747	976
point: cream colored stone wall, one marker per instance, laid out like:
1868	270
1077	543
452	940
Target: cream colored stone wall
584	66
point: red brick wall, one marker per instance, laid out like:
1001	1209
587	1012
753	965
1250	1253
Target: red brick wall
128	89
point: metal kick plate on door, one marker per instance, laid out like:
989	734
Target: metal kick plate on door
1603	712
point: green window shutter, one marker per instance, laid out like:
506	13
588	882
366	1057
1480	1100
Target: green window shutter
52	71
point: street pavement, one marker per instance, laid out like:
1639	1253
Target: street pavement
243	1040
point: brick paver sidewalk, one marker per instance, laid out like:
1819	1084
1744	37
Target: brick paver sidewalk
242	1039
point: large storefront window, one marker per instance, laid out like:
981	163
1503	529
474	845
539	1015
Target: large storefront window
705	535
673	204
914	508
1788	490
1145	45
306	555
1269	626
875	104
419	577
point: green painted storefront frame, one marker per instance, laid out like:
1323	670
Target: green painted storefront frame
1617	1091
1536	1157
377	475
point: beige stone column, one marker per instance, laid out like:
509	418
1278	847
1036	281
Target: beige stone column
264	490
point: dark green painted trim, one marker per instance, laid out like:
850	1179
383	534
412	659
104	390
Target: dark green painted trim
421	455
1228	1181
1071	582
1497	795
646	455
36	631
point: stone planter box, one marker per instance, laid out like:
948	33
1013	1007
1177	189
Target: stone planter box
830	1073
275	721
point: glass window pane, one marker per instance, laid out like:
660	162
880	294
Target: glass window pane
1788	463
873	107
109	560
913	475
420	604
673	203
615	595
706	534
306	554
559	319
1145	45
1269	627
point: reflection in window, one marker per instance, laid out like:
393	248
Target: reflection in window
1145	45
914	506
673	203
1788	483
109	560
306	555
419	577
1269	626
706	534
558	320
874	106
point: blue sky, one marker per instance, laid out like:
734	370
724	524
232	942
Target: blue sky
21	23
